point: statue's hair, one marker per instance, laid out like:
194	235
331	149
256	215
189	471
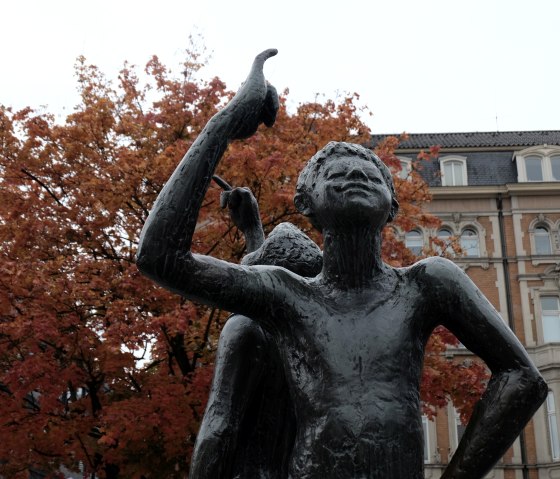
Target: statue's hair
308	176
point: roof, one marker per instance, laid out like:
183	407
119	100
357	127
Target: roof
477	139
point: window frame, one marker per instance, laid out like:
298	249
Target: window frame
453	422
406	168
462	160
421	239
546	294
477	236
541	160
541	221
458	425
536	234
552	427
448	250
551	157
426	437
545	153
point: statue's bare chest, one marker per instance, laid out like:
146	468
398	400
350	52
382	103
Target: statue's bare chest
363	337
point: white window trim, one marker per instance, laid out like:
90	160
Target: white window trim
545	152
457	226
460	159
542	221
552	422
427	435
422	238
407	167
536	294
453	419
452	234
472	228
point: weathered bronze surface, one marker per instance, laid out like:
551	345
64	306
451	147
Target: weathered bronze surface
351	339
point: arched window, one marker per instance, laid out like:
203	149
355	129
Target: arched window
414	242
552	427
550	315
555	167
444	235
533	168
470	243
454	171
541	237
538	163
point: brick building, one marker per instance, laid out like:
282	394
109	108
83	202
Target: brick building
499	193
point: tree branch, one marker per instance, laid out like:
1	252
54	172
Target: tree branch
43	185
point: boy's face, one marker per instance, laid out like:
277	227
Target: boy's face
348	190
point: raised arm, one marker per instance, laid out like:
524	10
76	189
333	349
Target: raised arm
516	389
164	250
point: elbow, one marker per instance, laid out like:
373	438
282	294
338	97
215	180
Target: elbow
144	263
151	260
146	258
165	266
533	385
541	387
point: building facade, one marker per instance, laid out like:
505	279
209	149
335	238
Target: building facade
499	194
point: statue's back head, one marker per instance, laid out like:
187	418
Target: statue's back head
291	248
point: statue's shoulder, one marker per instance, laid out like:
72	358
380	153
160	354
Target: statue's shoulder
436	271
242	331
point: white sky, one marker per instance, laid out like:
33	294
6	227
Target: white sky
419	65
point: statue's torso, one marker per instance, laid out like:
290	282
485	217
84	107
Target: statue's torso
354	362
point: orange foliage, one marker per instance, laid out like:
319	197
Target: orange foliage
99	366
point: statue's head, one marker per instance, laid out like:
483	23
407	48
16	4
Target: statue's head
346	182
289	247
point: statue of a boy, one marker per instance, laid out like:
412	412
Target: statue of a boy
352	338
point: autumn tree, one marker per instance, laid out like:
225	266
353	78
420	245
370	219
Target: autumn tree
100	368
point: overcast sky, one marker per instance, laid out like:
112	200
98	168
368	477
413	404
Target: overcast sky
420	66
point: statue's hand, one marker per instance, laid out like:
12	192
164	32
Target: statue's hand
243	208
256	102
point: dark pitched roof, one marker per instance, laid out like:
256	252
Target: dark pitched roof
477	139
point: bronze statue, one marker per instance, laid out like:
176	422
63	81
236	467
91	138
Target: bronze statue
248	429
351	340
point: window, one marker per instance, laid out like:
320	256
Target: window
469	243
414	242
538	163
552	427
555	167
406	167
454	171
444	235
459	427
533	168
550	311
541	238
426	439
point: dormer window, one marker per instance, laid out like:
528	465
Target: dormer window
538	163
453	171
406	167
533	168
555	167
